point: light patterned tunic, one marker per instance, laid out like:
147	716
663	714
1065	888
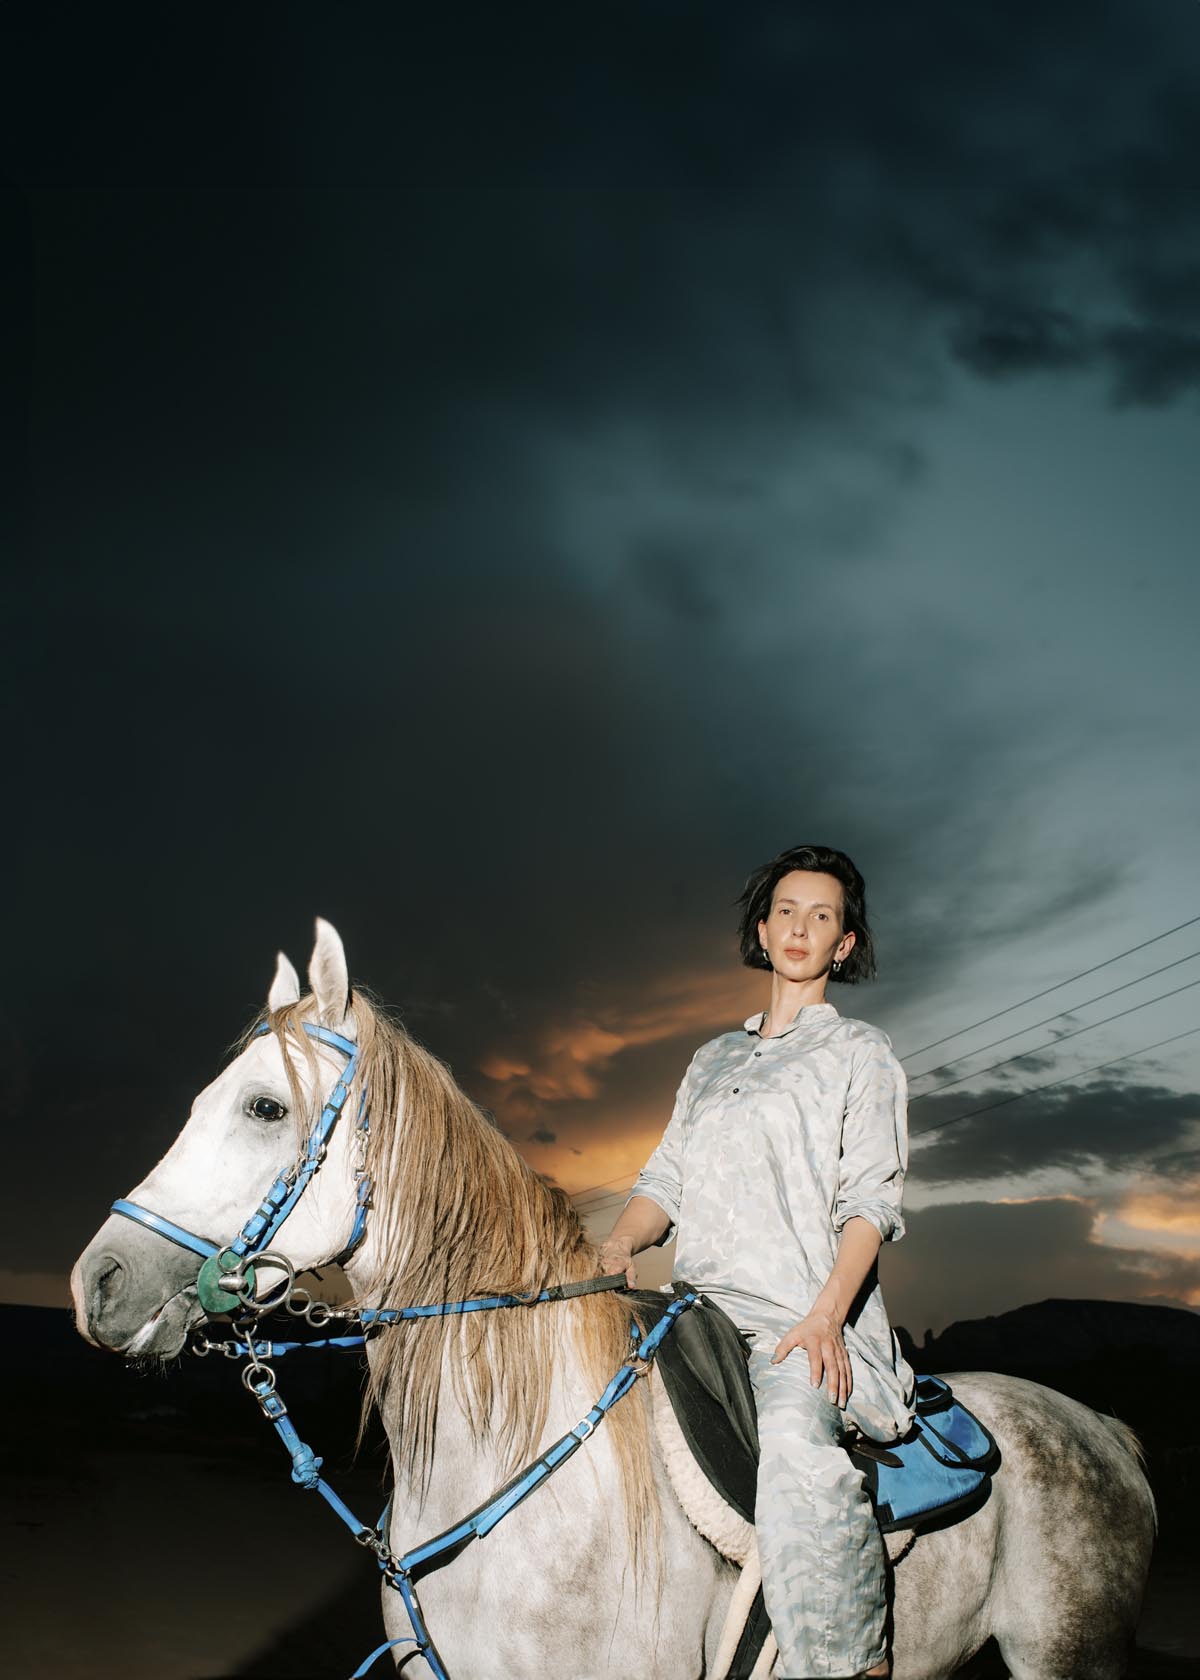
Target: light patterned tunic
774	1143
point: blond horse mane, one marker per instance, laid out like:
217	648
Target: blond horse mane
458	1213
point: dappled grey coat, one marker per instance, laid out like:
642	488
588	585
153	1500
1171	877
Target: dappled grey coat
774	1143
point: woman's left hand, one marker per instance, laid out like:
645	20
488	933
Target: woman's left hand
820	1335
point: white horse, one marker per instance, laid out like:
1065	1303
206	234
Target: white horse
599	1572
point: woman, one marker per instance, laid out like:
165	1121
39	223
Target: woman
782	1167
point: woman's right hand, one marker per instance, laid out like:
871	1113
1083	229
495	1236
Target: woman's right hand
618	1257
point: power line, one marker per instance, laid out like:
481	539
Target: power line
603	1216
1086	1003
609	1195
1033	1090
604	1201
620	1178
1082	975
1053	1043
1001	1102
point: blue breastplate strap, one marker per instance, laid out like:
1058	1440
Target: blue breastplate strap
400	1573
257	1232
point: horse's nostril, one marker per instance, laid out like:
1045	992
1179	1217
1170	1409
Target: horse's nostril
107	1280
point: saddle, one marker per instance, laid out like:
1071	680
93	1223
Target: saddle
937	1473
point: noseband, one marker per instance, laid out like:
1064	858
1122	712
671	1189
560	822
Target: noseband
226	1278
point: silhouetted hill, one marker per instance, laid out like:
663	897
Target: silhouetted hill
1136	1361
1058	1333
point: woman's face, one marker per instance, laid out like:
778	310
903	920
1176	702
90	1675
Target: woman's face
803	931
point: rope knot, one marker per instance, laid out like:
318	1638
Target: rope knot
306	1466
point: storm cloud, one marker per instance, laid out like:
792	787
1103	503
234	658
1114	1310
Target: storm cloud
492	486
1099	1122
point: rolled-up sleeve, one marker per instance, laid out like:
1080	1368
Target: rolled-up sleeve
874	1154
661	1179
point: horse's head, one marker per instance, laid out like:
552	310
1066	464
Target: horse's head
135	1285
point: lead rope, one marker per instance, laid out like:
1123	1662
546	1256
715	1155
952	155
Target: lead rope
400	1573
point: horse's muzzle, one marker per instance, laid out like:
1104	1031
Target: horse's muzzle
129	1291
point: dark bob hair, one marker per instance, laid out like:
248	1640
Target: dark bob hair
755	905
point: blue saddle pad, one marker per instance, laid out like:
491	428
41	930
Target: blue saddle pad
938	1471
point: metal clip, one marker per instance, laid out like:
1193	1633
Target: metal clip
258	1379
374	1542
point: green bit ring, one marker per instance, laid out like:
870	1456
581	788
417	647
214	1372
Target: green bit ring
211	1296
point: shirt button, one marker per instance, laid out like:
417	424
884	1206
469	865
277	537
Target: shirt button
736	1089
758	1052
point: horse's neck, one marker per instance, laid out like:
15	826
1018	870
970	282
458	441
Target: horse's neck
465	1469
360	1269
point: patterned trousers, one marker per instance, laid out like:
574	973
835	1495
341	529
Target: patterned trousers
821	1550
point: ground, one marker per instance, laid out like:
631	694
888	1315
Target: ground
149	1564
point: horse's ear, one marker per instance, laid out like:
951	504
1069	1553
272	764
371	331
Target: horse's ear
285	988
328	975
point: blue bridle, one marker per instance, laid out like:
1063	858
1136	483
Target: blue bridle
226	1277
226	1284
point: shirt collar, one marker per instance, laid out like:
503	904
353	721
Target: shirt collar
807	1012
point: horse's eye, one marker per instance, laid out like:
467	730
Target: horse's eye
266	1108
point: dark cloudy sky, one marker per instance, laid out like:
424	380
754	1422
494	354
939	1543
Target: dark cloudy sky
493	478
